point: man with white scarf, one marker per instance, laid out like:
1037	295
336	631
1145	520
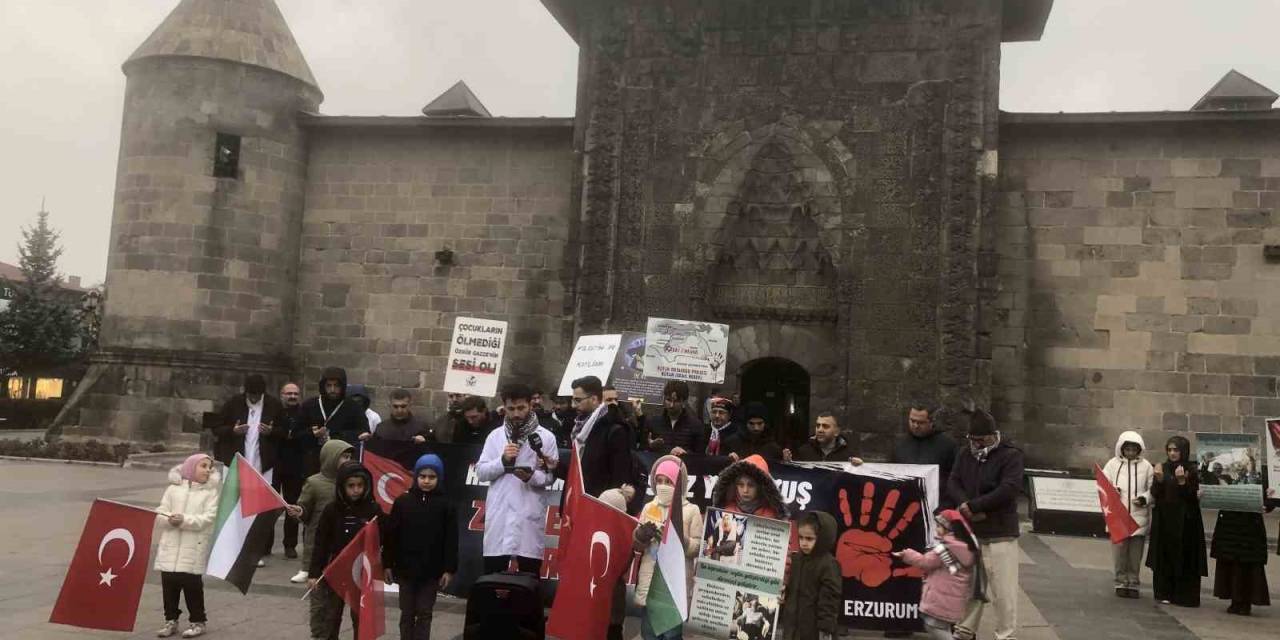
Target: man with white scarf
518	462
603	438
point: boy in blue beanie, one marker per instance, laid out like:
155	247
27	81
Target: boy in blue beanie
420	546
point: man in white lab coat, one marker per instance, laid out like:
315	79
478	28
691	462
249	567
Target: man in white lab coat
518	462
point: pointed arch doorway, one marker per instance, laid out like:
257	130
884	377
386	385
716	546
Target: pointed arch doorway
783	387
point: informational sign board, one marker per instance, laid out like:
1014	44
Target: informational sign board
592	356
1066	506
686	350
1273	454
475	356
1231	471
738	580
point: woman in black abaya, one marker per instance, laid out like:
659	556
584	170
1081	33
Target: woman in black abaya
1177	553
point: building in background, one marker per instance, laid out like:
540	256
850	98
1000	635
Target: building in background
836	184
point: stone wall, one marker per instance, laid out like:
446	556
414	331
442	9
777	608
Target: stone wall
868	121
1133	289
382	201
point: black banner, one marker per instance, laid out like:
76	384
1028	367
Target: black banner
875	517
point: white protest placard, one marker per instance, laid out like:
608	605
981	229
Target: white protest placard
686	350
1273	453
475	356
737	584
592	356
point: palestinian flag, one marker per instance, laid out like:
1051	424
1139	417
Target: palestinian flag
247	512
667	605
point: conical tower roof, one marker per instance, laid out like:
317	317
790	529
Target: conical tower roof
1236	91
457	101
251	32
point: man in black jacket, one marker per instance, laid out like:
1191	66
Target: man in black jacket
984	485
756	439
826	445
298	457
924	443
472	423
604	441
401	424
332	414
247	426
675	431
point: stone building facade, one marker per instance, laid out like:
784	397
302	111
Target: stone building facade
833	179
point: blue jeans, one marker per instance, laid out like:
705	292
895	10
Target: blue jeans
646	631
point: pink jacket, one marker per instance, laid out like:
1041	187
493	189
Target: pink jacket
945	596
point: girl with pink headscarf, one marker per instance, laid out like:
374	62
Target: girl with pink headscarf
187	514
669	478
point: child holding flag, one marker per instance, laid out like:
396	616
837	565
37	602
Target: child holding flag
1132	476
420	546
337	525
187	514
669	478
955	574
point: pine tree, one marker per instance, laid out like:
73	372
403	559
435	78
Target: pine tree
39	330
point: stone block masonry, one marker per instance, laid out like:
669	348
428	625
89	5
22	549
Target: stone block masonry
1133	289
380	204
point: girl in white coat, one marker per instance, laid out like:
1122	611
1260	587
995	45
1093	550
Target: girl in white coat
187	513
1132	476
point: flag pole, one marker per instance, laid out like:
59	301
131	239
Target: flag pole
132	506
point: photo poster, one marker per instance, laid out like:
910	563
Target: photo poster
592	356
738	579
686	350
628	372
1273	455
475	356
1231	471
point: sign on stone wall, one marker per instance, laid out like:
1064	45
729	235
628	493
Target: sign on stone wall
475	356
592	356
686	350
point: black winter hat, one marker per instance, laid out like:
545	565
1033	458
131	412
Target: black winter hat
981	423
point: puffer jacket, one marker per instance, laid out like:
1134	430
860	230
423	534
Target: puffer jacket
185	548
691	531
1239	537
1132	479
946	596
813	596
318	492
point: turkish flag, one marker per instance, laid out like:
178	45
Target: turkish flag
104	582
390	480
572	489
356	575
1120	523
594	555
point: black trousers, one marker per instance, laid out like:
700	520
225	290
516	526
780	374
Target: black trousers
174	585
290	488
417	600
498	564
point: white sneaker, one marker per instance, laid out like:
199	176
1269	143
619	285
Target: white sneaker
196	629
299	577
262	562
170	627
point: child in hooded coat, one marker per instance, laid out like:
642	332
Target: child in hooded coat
746	487
955	574
420	546
811	603
1132	476
187	514
669	479
317	492
336	527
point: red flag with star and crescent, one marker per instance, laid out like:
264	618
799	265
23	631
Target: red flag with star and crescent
390	480
104	582
356	575
594	554
1120	523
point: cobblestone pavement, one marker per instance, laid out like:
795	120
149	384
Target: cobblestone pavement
1066	582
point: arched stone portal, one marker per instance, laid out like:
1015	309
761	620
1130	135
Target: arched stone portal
783	387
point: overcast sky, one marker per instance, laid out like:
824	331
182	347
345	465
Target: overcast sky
61	86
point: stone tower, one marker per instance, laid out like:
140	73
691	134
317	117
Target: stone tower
852	142
204	244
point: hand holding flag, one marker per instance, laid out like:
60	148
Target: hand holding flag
356	575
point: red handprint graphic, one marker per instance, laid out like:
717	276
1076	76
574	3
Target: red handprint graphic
864	552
